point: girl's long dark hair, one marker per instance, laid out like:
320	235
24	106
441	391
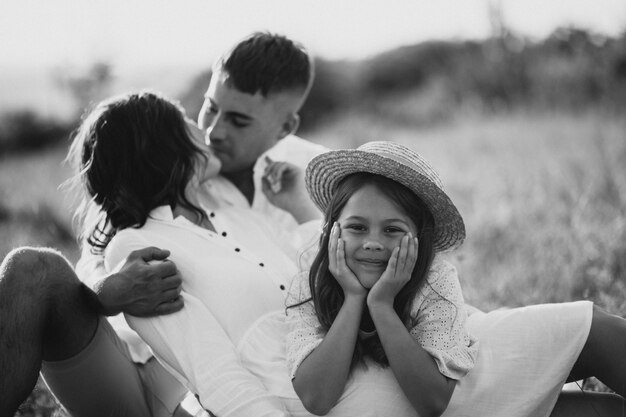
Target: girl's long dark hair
131	154
326	293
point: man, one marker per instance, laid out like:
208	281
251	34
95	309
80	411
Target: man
246	119
250	113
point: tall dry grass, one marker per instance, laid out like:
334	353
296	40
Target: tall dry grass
543	195
34	211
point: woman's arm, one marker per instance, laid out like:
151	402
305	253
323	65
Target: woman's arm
416	371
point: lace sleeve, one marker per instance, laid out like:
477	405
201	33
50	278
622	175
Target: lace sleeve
439	316
304	330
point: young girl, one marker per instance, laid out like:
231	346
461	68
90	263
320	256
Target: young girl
380	312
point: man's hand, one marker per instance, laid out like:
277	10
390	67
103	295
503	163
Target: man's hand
283	185
146	285
282	181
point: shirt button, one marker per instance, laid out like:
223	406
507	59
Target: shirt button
212	214
224	234
282	287
237	249
261	264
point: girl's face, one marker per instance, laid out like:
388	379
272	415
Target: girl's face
371	227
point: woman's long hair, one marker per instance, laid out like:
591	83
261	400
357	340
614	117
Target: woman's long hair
131	154
326	293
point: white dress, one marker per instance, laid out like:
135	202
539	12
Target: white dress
437	323
524	357
227	288
517	368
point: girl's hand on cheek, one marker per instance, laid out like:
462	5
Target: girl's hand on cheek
397	274
338	267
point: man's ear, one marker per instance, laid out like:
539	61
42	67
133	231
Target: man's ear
290	126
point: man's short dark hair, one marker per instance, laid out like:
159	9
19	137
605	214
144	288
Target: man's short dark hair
267	63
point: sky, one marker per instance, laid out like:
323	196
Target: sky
162	43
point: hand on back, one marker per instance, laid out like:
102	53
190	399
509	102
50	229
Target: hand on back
147	284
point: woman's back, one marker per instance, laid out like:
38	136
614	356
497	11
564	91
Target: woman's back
231	280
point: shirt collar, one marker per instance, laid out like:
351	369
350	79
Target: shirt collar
162	213
165	213
279	152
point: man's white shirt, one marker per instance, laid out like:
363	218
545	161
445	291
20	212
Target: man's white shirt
290	149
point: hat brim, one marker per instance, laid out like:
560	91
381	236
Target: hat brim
325	171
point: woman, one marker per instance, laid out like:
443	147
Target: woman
139	164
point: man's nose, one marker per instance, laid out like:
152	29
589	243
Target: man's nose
216	131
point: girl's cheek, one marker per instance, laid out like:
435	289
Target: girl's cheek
353	241
391	244
349	247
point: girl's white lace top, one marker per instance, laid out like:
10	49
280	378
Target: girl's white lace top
437	322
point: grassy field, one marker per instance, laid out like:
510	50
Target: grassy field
543	196
33	208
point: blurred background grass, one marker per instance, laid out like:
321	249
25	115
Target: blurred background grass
529	138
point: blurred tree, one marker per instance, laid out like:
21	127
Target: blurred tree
86	87
504	78
408	67
334	90
25	130
193	96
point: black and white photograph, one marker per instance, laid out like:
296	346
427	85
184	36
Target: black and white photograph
294	208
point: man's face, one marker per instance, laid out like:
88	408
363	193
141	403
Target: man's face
238	126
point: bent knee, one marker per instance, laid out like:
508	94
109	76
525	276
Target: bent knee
605	324
36	268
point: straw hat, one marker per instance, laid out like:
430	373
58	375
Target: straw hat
398	163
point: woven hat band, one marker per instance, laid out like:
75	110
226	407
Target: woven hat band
404	156
419	166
